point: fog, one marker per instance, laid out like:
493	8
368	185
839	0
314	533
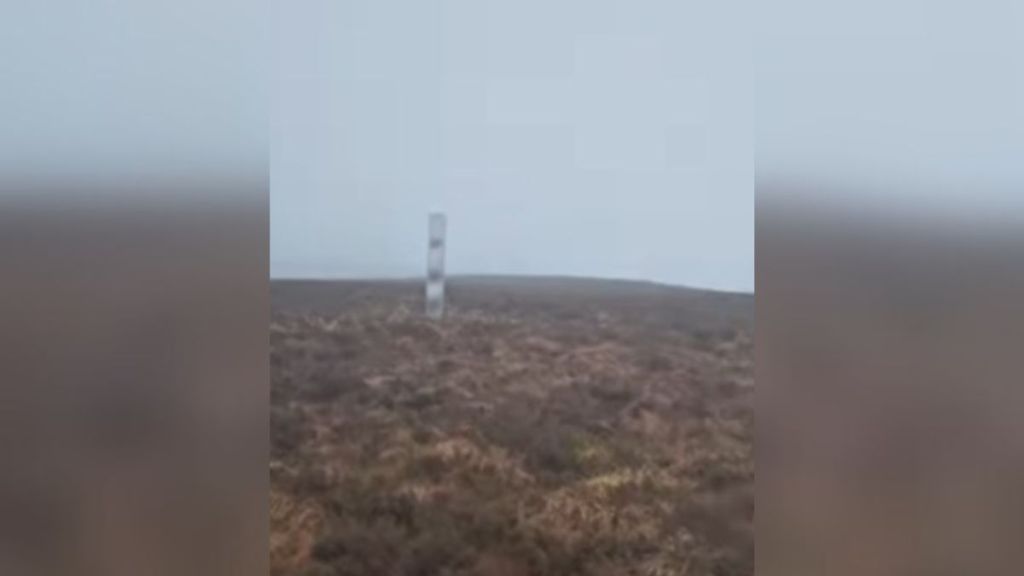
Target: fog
141	96
914	104
592	138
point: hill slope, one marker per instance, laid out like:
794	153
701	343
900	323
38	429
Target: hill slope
546	426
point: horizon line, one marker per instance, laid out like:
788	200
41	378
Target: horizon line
417	279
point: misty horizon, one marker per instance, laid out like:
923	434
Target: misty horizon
461	277
614	143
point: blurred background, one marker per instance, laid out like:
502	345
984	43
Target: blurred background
133	240
889	140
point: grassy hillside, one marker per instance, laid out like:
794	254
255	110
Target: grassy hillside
547	426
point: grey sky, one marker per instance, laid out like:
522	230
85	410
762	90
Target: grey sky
912	101
133	92
595	137
584	137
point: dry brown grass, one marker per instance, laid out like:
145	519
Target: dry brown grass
542	428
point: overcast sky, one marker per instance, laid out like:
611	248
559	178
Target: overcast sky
133	92
584	137
917	102
588	137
